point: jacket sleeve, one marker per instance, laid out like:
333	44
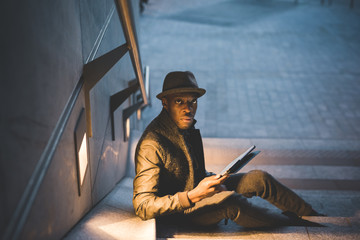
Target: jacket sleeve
147	203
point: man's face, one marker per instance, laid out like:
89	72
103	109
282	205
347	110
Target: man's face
181	108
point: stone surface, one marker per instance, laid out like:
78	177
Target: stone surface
114	218
271	69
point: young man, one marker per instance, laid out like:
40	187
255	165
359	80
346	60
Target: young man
171	181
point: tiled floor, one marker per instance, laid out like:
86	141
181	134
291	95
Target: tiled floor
272	69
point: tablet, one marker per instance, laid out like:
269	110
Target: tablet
240	161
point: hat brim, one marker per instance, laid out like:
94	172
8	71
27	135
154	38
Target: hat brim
199	91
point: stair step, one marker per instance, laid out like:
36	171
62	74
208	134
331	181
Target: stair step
341	227
283	151
114	218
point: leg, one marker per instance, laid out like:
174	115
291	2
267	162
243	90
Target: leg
237	209
262	184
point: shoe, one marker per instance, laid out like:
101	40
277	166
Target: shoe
315	213
295	220
290	215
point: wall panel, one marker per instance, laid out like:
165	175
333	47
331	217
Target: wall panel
45	48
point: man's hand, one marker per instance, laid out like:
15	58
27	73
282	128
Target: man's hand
207	187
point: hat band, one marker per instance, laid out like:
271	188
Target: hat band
199	91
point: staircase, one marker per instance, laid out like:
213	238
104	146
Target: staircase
326	177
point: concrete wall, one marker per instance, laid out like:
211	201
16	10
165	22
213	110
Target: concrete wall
44	48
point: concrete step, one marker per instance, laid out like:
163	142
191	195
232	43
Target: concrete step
114	218
332	228
325	175
297	166
285	151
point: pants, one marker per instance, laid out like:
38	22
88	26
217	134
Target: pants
236	208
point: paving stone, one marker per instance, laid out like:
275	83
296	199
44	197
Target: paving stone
277	50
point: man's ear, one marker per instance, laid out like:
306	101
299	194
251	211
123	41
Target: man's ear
164	103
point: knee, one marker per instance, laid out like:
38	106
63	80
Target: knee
255	183
258	180
259	175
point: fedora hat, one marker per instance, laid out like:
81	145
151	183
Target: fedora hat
180	82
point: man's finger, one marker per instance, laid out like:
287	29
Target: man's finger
223	178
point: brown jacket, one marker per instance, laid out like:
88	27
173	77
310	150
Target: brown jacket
166	169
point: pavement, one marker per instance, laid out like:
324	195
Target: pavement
282	75
272	69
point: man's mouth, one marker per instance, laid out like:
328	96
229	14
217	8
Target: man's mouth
187	119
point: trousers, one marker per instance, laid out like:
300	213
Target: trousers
238	209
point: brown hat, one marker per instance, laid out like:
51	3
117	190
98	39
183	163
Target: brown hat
180	82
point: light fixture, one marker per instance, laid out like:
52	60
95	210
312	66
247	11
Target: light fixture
81	149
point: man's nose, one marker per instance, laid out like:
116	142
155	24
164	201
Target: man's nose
188	107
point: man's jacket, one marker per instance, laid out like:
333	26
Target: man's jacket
169	162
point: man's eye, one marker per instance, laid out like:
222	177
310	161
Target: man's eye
178	101
194	101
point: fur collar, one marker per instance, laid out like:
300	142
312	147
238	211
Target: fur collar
164	127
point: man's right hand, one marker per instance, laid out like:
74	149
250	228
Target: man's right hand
207	188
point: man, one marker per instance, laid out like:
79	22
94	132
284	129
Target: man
171	181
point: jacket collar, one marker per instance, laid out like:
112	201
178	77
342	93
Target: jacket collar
168	128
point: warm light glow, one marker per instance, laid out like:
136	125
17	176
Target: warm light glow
138	114
128	229
108	223
127	128
147	80
83	159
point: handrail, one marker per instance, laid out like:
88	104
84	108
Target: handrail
117	99
94	71
127	112
126	20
